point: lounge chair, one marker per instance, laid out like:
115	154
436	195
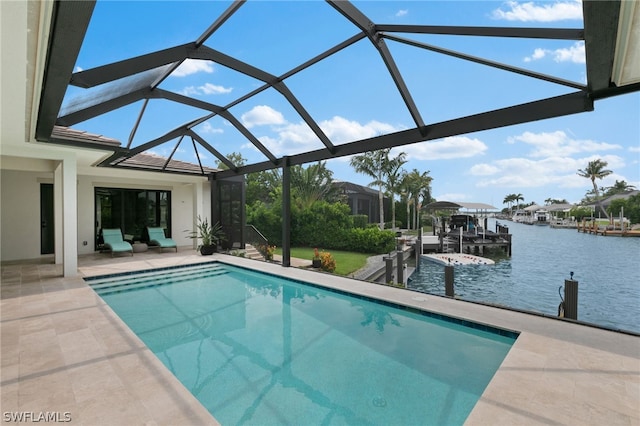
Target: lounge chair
114	242
158	239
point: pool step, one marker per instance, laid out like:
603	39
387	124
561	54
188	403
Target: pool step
135	278
93	281
103	291
150	278
147	278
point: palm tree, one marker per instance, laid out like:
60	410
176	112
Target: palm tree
393	172
415	185
620	187
508	200
371	163
311	184
405	195
518	197
556	201
424	193
596	170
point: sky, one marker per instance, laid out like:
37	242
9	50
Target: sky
351	96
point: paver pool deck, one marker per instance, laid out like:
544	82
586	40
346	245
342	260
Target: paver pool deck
65	352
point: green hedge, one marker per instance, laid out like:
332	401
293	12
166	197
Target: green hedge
327	225
360	220
370	240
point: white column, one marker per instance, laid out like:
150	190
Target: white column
57	213
70	216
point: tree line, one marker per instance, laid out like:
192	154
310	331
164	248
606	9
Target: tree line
595	170
320	215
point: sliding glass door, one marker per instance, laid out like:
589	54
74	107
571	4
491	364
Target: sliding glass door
131	210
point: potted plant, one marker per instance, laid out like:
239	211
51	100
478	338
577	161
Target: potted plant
316	262
211	235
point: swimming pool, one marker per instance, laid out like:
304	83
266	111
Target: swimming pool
261	349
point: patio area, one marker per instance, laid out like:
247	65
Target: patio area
65	352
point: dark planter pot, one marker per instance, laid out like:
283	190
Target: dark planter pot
316	263
208	250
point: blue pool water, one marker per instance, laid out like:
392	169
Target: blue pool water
260	349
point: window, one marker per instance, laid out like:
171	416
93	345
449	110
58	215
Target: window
131	210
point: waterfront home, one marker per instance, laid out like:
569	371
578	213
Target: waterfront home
66	355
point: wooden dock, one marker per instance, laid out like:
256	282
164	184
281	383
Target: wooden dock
592	227
469	243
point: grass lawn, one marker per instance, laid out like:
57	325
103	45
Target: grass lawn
347	262
426	230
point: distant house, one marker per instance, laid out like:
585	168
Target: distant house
363	200
605	202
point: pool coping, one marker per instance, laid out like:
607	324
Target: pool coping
556	371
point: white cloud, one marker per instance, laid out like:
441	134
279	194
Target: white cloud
206	89
445	149
452	196
298	133
192	66
634	149
78	69
558	144
543	12
262	115
483	170
340	130
402	12
574	54
560	172
537	54
213	89
209	129
291	138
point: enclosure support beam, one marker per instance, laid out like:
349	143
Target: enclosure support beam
286	213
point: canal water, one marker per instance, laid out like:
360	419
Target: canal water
606	268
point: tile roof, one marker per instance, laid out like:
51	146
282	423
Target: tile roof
149	161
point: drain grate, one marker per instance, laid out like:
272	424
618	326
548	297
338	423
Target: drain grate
379	402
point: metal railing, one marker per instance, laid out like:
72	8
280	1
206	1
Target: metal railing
256	239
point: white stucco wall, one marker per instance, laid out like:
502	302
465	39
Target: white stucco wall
20	202
20	217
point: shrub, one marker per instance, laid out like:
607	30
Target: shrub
631	207
328	263
580	212
360	220
370	240
266	250
322	225
267	219
387	225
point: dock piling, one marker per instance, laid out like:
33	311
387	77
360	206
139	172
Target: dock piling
388	263
448	281
571	298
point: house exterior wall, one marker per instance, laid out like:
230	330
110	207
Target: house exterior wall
20	202
20	216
